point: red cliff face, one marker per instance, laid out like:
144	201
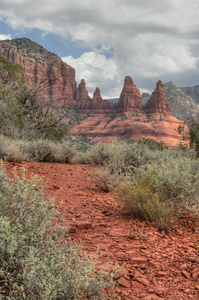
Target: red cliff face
130	98
158	102
40	65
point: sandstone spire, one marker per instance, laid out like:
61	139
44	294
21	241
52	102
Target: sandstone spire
97	96
158	102
81	93
130	98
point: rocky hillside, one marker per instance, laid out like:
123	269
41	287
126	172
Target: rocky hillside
182	106
193	92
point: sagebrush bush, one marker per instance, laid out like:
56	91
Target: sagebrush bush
10	150
143	201
130	154
119	161
48	151
38	150
176	178
36	260
175	175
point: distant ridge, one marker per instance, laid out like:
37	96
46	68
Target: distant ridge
181	104
192	91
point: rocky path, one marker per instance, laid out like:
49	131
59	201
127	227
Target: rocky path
152	265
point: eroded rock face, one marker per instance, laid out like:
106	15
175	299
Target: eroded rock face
39	65
157	102
130	98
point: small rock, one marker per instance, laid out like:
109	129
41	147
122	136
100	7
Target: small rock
140	260
194	259
195	275
161	291
72	229
186	274
161	273
124	282
143	281
137	274
151	297
183	267
84	225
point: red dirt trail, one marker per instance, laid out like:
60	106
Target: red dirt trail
153	265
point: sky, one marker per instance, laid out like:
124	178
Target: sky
106	40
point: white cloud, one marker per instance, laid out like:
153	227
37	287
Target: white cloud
97	71
149	40
5	37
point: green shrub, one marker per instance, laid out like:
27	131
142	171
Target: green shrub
47	151
38	150
177	177
36	260
119	161
10	150
160	190
131	154
156	183
143	201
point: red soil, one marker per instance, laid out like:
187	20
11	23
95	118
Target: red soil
153	265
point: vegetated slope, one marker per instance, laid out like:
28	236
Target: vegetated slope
181	104
136	125
152	265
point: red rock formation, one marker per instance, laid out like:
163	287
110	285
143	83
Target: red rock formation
130	98
97	96
98	104
106	128
40	65
81	93
158	102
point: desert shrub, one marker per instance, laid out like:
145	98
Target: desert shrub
133	154
153	145
178	178
142	200
38	150
119	161
98	154
156	183
160	191
10	150
36	260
